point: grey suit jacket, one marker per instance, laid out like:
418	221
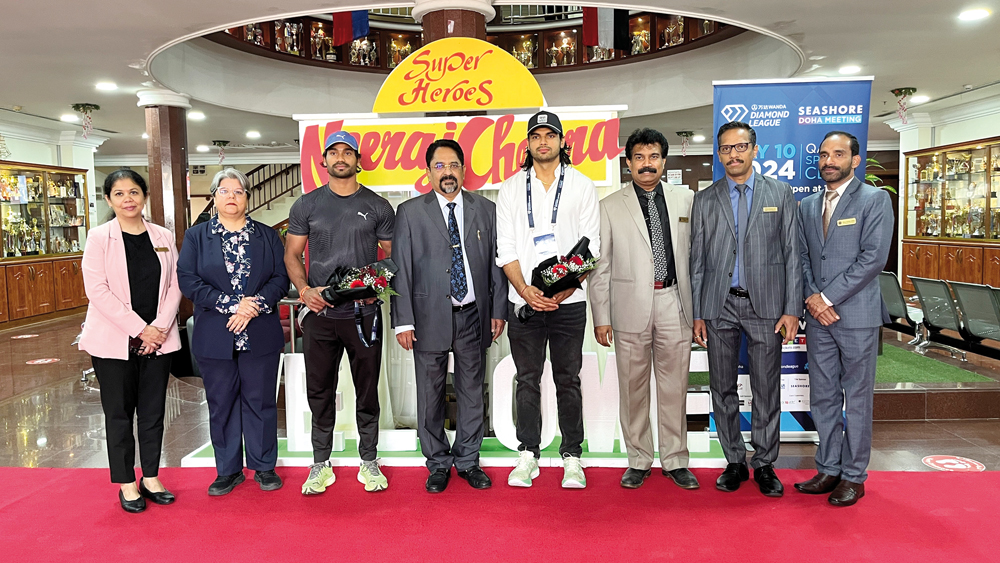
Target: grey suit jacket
421	247
774	275
845	266
621	287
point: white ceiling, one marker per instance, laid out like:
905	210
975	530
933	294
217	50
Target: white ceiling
52	57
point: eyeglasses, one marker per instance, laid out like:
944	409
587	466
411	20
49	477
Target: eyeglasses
440	166
740	147
238	192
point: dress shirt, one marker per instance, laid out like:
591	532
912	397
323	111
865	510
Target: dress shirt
734	199
460	219
661	206
236	252
833	209
579	216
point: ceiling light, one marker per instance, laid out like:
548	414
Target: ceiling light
698	138
919	100
69	118
253	134
973	15
107	86
706	163
145	135
196	115
201	148
850	69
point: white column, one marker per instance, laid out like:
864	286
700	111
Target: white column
484	7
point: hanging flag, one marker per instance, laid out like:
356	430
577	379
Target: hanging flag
622	40
348	26
591	37
599	28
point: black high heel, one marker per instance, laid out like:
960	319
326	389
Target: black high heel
134	506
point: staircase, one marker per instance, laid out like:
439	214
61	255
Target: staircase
273	190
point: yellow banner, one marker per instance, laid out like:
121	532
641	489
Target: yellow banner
458	74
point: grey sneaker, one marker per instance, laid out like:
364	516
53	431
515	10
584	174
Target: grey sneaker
525	470
320	477
372	477
573	477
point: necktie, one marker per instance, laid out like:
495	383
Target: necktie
742	218
831	196
459	285
656	238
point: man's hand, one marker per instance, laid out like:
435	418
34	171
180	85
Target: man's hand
537	300
312	298
367	301
238	323
790	324
563	295
248	307
406	339
815	304
497	327
604	335
827	317
701	333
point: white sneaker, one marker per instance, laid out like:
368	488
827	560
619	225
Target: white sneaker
573	477
525	470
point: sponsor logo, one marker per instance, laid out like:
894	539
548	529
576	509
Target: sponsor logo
365	215
952	463
734	112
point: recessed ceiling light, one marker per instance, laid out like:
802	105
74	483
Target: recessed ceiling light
69	118
145	135
973	15
706	163
850	69
253	134
201	148
107	86
698	138
196	115
919	99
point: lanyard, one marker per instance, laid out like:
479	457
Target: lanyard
555	205
357	323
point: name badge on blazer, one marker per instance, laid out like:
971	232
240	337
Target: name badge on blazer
845	222
161	249
682	219
770	210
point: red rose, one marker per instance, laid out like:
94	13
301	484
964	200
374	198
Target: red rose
380	282
559	270
371	271
357	283
576	261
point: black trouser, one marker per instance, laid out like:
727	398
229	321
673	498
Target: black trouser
563	330
323	344
242	408
133	387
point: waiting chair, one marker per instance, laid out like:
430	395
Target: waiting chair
980	309
895	302
940	314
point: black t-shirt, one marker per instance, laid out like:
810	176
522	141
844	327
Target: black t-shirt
342	231
143	275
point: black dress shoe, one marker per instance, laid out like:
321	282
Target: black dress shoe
633	478
847	493
768	481
821	484
164	497
683	478
731	478
224	484
476	477
133	506
438	480
268	480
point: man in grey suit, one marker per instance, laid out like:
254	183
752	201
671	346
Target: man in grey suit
452	298
745	280
641	290
845	233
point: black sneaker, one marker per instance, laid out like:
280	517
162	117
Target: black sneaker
224	484
268	480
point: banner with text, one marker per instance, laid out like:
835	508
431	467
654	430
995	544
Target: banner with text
790	118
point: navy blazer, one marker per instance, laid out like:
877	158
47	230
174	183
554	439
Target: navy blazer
202	275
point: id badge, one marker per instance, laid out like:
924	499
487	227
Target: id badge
545	246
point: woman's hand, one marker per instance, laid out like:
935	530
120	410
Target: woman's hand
238	323
152	336
248	307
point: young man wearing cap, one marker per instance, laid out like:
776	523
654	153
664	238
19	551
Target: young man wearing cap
344	223
543	211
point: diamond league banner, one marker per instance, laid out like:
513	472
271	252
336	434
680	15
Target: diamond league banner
790	118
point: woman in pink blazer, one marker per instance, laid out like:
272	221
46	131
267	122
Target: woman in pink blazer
130	275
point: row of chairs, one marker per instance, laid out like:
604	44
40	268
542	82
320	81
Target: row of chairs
972	311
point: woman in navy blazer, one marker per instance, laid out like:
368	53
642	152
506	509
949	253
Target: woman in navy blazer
232	268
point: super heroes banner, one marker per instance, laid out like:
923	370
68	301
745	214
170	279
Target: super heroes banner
790	118
393	149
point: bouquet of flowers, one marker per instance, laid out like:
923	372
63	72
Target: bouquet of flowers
564	272
352	284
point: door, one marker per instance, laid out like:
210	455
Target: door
18	292
69	291
991	266
42	288
961	264
920	260
3	296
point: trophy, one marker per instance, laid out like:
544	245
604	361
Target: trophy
394	57
977	221
258	36
318	40
279	36
568	51
75	247
331	53
249	34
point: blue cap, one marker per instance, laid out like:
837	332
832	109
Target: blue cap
340	137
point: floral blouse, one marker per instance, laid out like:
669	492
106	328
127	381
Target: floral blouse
236	251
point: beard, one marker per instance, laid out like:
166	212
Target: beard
832	174
346	173
448	184
553	155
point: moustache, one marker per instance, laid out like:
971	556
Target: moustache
825	168
734	161
449	177
647	169
336	164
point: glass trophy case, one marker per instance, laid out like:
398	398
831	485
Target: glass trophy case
522	47
560	47
639	34
669	30
365	51
951	192
401	45
43	211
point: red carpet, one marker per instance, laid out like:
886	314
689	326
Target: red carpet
73	515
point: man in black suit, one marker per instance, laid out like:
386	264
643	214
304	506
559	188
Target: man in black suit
452	298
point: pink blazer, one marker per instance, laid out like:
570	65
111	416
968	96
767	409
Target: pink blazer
110	318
